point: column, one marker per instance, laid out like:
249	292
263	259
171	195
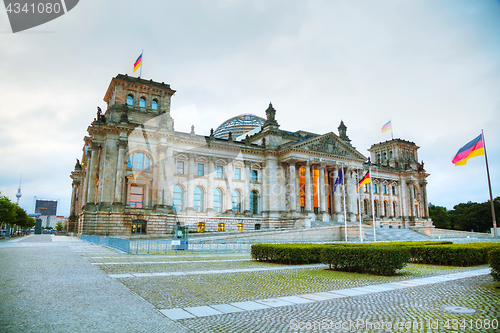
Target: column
424	199
381	199
94	151
322	193
210	185
74	186
412	199
160	179
308	189
391	209
119	181
190	185
229	174
247	188
292	184
265	187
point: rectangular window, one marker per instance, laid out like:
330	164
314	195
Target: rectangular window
375	188
384	187
394	190
255	176
220	171
237	173
136	196
180	168
201	169
239	227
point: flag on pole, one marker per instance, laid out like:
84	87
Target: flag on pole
366	179
138	63
472	149
339	179
386	127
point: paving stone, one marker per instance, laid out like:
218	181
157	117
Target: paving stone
203	311
273	302
313	297
250	305
226	308
349	292
295	299
176	314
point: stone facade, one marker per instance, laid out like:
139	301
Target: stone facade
138	174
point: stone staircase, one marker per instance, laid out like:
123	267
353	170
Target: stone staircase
391	234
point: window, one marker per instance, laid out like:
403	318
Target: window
198	199
384	188
139	227
239	227
154	104
220	171
201	226
254	202
393	209
414	192
375	208
237	173
180	168
178	198
375	188
257	226
139	161
130	100
136	196
201	170
367	188
218	200
142	102
378	158
385	209
221	227
236	201
255	175
390	154
385	156
365	207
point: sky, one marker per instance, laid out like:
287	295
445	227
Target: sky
431	67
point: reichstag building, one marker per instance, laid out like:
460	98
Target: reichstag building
138	175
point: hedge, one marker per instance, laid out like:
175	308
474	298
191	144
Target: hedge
291	254
470	254
494	261
384	260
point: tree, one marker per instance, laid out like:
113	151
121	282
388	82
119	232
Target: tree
7	212
473	216
59	226
22	218
439	216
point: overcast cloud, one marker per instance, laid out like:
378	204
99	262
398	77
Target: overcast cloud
432	67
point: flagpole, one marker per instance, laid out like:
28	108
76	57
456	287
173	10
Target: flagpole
392	136
489	186
373	204
345	213
142	62
359	209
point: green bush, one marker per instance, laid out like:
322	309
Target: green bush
470	254
384	260
494	261
291	254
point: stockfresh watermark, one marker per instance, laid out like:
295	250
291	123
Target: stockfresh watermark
25	14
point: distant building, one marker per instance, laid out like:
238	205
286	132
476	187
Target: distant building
139	175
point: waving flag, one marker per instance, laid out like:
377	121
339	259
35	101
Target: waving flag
366	179
339	179
472	149
386	127
138	63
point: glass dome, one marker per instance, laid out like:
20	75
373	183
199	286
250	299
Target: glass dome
238	125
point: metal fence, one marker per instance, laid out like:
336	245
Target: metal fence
164	246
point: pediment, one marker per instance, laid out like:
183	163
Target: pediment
329	144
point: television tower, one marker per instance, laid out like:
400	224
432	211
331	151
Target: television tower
18	194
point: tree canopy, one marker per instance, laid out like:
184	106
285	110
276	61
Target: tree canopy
12	214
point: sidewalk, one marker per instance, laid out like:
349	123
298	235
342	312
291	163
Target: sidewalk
47	287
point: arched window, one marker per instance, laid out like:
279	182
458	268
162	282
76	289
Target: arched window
154	104
254	202
394	209
130	100
142	102
236	201
218	200
178	198
139	161
198	199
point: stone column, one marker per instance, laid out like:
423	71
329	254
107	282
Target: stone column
381	199
229	173
246	200
391	205
94	151
424	199
190	185
308	189
412	199
160	181
292	185
74	186
210	185
265	188
322	193
351	194
119	180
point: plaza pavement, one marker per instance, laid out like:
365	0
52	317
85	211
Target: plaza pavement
61	284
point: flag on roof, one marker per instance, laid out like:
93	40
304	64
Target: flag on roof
386	127
472	149
366	179
138	63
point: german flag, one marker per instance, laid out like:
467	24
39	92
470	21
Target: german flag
138	63
366	179
472	149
